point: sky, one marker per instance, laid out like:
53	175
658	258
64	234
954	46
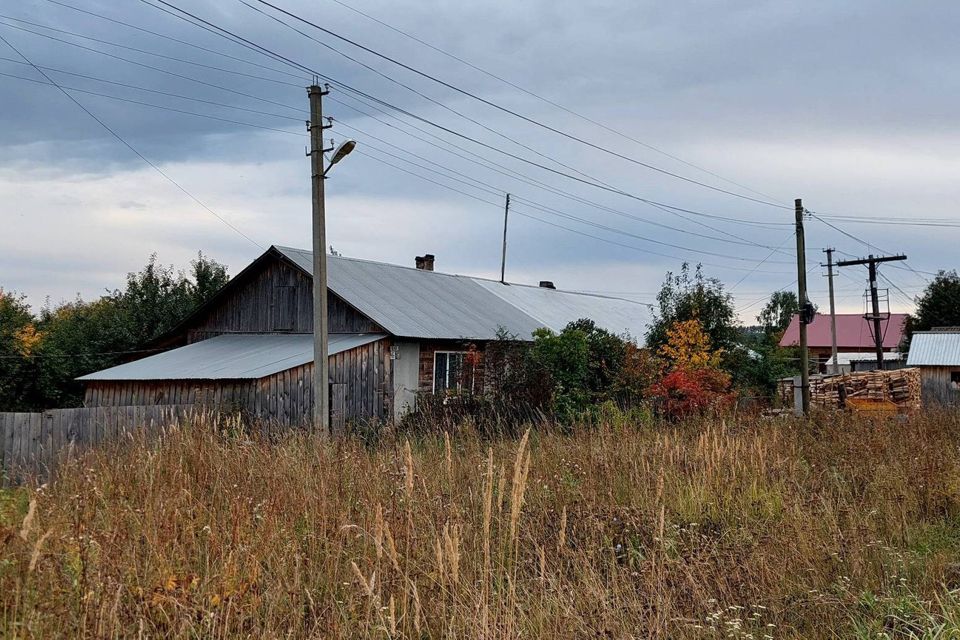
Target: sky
850	106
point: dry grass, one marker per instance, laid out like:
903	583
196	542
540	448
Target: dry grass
835	528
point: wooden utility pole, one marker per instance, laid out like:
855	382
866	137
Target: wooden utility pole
321	398
503	255
874	315
804	318
833	313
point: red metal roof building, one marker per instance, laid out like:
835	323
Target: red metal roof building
854	333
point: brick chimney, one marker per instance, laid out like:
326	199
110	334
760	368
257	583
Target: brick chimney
425	262
546	284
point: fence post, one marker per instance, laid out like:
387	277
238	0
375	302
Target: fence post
797	396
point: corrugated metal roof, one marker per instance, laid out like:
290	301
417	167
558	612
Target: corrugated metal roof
934	348
414	303
231	357
556	309
853	331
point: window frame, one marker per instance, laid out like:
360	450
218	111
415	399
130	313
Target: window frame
458	389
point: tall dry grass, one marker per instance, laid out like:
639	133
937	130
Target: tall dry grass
830	528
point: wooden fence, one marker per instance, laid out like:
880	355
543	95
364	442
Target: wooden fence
31	444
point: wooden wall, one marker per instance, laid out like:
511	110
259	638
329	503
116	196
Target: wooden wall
935	386
32	444
276	299
362	379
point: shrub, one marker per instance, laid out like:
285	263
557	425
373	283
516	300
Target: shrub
686	392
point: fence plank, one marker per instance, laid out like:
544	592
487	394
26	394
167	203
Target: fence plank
34	443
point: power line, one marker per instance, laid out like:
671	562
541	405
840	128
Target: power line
143	51
510	111
498	205
156	91
552	103
151	67
171	38
267	128
150	104
130	146
501	190
417	92
233	37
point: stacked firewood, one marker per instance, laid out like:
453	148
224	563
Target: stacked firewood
900	386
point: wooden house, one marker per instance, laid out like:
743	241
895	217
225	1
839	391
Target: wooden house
395	333
937	354
855	342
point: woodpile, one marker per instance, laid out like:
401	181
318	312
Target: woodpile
901	387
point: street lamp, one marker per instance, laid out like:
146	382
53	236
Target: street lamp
341	152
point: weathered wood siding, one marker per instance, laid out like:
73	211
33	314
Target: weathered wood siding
278	298
31	444
935	386
365	373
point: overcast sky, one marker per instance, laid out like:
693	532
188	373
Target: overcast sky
851	106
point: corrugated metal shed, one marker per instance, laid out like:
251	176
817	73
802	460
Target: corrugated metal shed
934	349
231	357
414	303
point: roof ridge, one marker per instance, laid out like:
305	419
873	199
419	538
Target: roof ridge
462	275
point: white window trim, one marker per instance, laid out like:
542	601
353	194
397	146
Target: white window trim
433	378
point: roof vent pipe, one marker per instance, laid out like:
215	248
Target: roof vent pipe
546	284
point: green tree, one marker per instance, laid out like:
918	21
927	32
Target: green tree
775	317
938	305
78	337
563	358
692	296
17	342
605	356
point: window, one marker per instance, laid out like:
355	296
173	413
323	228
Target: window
955	380
451	372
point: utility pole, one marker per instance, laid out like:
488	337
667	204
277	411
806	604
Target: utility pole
805	307
833	313
321	399
874	316
503	255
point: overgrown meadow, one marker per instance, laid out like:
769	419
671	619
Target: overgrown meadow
835	527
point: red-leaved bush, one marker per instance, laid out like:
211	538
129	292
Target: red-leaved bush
685	392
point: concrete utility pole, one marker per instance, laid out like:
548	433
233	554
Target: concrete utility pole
874	316
503	255
321	398
833	313
805	317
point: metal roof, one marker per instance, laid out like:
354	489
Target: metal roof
853	331
556	309
231	357
935	349
414	303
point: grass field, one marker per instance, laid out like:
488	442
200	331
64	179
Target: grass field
833	528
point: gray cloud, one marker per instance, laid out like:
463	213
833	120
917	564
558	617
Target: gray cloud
851	106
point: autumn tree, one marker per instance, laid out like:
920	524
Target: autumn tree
690	295
689	347
18	340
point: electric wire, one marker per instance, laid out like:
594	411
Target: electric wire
131	147
509	111
233	37
550	102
